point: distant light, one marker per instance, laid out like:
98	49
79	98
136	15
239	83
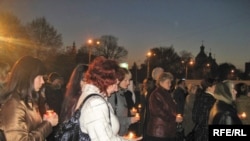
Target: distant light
124	65
90	41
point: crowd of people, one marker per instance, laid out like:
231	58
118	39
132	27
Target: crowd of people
35	102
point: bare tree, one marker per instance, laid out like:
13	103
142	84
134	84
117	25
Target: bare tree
44	36
186	56
110	49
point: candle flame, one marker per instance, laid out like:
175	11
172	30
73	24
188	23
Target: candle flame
131	135
243	115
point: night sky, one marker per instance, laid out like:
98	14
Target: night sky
222	25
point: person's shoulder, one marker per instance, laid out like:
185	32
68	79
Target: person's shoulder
14	103
95	100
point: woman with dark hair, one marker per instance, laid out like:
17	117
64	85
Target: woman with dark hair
20	116
204	101
73	92
122	102
224	110
97	115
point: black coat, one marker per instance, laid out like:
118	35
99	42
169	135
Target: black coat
200	114
223	113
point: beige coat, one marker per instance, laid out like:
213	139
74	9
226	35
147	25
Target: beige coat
21	123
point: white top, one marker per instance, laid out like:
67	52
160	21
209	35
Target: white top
94	118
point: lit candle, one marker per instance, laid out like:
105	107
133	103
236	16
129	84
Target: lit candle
243	115
137	115
139	106
134	110
178	116
131	135
49	112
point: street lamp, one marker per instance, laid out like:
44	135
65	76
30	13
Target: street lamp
148	56
232	73
208	67
90	43
191	62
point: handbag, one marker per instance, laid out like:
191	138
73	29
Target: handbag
70	130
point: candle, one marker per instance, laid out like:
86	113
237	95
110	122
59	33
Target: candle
243	115
137	115
131	135
139	106
134	110
178	116
49	112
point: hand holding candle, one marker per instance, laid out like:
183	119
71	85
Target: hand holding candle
51	117
179	118
50	112
135	118
132	137
243	115
137	115
139	106
133	111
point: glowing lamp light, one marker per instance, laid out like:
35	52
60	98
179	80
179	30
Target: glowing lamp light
124	65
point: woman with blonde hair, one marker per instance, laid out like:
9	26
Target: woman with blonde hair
162	120
224	109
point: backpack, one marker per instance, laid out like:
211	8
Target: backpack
70	130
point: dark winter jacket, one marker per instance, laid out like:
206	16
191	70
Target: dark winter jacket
162	113
223	113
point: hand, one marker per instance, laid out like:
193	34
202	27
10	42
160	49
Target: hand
134	119
133	139
133	111
138	138
52	118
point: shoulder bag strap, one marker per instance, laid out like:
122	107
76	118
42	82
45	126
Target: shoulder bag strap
115	103
86	98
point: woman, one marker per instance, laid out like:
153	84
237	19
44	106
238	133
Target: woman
224	110
73	92
23	121
97	115
147	87
188	124
202	106
162	111
4	69
122	102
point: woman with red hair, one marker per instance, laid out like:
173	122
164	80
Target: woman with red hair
97	115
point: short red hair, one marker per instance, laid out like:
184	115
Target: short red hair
102	73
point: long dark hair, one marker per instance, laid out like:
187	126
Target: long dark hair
21	80
73	92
